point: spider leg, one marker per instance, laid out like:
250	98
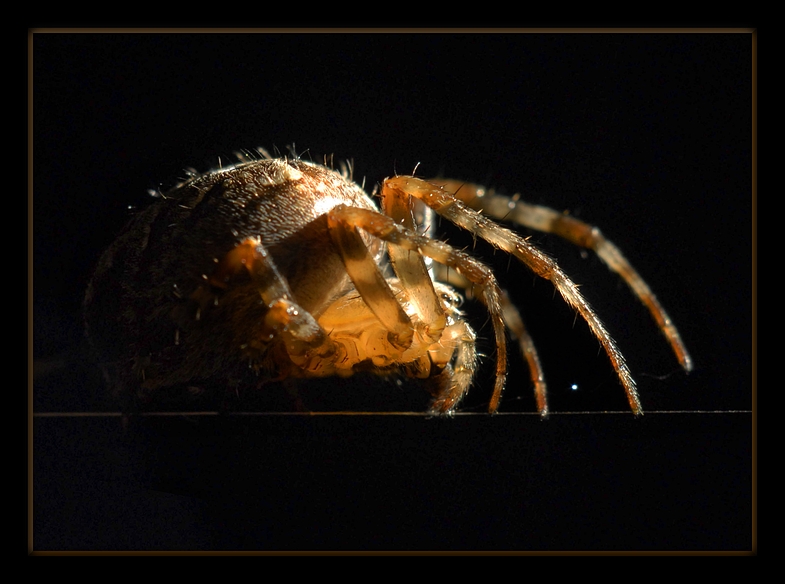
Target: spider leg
446	205
416	275
514	322
457	378
369	280
344	222
410	266
579	233
283	317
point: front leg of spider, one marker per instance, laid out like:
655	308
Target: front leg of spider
285	320
344	221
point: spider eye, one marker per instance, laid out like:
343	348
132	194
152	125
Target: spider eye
453	299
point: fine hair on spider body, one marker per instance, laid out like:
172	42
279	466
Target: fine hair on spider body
274	268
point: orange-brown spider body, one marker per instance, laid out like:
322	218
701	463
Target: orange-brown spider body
278	267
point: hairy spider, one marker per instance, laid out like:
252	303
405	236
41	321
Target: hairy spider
280	264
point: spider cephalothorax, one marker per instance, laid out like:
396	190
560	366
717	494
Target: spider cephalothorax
278	264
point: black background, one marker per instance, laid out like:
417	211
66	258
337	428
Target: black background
646	135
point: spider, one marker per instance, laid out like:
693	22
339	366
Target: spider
279	266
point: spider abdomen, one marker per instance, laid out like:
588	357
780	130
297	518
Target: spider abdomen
157	311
